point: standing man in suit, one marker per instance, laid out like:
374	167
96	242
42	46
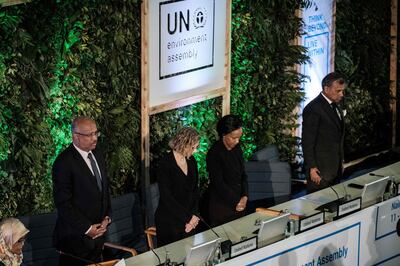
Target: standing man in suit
323	134
81	196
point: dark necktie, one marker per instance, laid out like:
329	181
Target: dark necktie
95	171
336	110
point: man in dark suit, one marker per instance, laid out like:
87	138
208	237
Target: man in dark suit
81	196
323	134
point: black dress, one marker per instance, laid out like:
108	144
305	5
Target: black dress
179	196
228	182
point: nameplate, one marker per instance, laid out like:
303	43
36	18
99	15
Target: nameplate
311	221
243	247
349	207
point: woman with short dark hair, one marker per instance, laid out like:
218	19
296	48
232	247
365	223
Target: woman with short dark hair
177	176
228	181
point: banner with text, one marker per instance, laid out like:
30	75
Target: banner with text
186	48
318	26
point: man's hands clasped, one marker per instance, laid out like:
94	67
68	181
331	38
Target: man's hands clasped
97	230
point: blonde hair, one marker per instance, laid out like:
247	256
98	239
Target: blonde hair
184	138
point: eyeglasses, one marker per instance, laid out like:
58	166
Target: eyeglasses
21	240
92	134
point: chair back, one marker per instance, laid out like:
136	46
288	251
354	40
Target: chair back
38	249
268	180
126	228
152	198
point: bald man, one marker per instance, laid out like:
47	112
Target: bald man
81	196
323	134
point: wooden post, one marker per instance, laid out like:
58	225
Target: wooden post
393	69
145	116
226	98
296	132
333	36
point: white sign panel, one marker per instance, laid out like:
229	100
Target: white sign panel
186	37
387	216
340	247
186	48
318	27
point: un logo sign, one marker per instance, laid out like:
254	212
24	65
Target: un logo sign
199	18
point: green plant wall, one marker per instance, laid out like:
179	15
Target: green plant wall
363	54
63	58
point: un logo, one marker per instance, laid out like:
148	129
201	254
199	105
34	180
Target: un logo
199	18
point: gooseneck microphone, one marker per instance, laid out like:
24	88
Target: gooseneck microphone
208	226
225	245
158	258
86	261
337	195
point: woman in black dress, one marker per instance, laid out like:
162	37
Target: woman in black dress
177	177
228	181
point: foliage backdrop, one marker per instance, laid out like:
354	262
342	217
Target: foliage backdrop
363	55
61	58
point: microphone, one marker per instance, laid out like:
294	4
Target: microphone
159	261
225	245
86	261
347	196
373	174
167	261
332	205
337	195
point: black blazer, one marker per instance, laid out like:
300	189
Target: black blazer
179	198
78	200
228	182
322	139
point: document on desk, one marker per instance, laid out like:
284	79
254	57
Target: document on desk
120	263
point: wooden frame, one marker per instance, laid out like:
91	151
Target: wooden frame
333	36
5	3
393	69
146	110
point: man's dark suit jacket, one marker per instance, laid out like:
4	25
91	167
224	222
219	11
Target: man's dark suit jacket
322	142
79	203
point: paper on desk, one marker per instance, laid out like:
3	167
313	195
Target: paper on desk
121	263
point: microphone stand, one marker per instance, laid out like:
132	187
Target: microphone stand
221	246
